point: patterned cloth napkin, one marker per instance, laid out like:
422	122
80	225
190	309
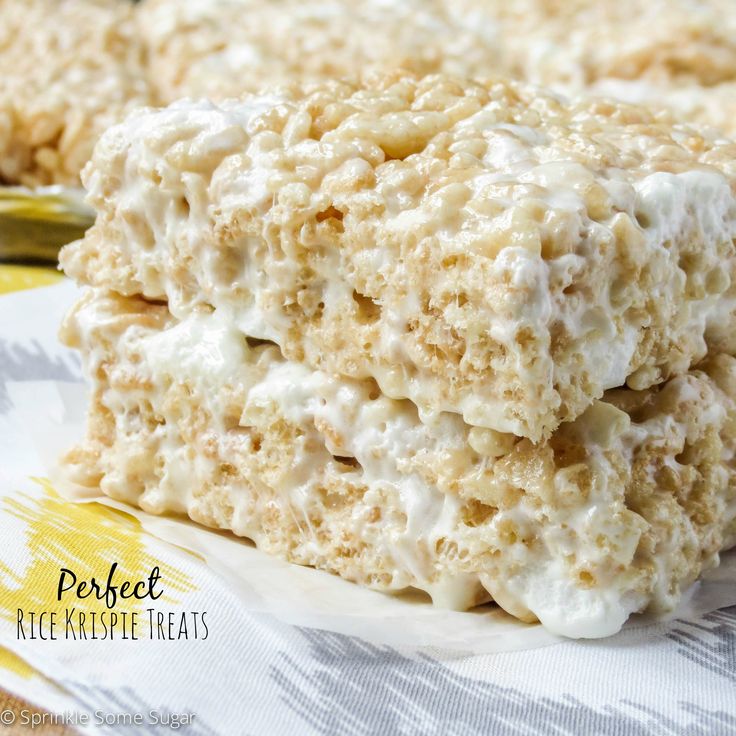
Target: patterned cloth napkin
203	663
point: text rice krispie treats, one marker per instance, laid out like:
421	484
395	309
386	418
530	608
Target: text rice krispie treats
69	69
479	248
617	512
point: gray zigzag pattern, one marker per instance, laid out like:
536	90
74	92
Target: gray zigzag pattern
711	644
352	687
22	363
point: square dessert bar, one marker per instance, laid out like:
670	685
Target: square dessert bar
619	511
485	249
69	70
223	48
675	55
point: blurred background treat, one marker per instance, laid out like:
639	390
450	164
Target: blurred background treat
675	54
70	69
222	48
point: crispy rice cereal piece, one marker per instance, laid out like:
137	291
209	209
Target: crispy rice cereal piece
223	48
69	69
482	249
618	512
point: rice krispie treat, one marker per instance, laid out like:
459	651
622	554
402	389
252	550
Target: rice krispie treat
618	512
581	41
69	69
675	54
223	48
484	249
710	107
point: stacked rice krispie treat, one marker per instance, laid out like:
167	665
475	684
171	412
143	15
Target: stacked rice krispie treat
422	332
